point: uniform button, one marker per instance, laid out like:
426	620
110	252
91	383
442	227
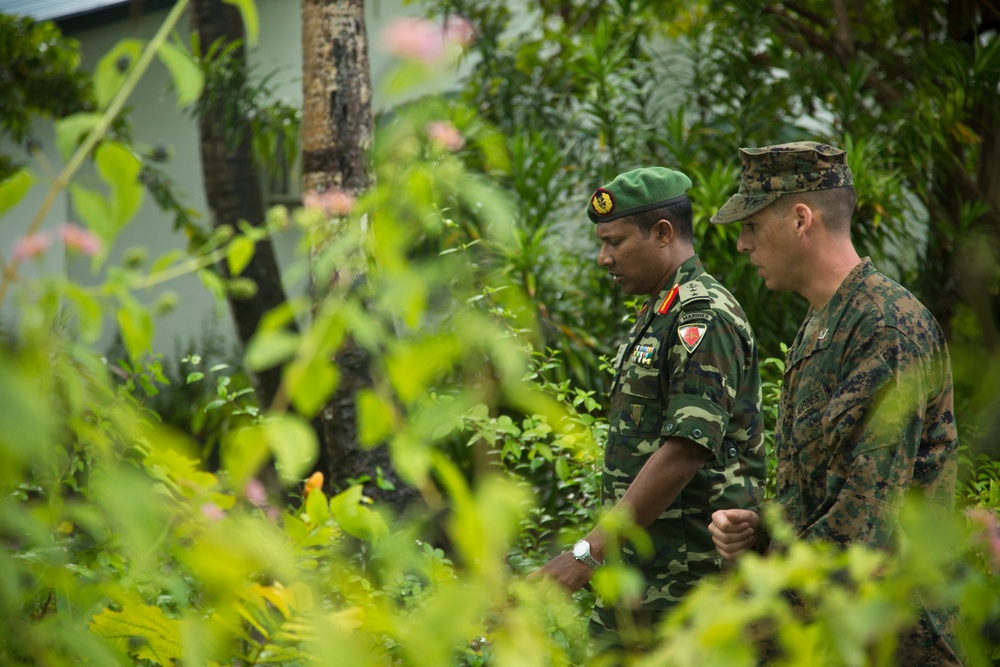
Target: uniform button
670	427
733	452
696	433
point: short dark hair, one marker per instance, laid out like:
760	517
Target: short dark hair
678	213
837	205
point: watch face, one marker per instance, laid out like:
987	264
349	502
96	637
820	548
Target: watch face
581	548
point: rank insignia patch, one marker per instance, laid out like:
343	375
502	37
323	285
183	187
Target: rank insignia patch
691	335
602	201
643	355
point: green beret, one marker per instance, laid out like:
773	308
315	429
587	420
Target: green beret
772	171
637	191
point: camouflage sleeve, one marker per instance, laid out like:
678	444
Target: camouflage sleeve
702	381
871	432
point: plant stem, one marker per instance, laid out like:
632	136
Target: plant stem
97	133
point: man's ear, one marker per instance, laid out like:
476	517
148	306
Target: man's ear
664	231
803	218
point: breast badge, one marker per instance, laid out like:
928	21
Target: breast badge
691	335
643	355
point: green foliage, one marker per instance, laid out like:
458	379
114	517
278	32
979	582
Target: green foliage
39	77
120	546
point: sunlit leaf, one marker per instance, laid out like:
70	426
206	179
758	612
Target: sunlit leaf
140	630
376	418
113	67
13	189
270	347
251	21
356	518
239	254
294	444
70	129
187	76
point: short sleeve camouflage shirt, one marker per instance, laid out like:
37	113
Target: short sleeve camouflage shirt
690	372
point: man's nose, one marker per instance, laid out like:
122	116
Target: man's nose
603	258
741	242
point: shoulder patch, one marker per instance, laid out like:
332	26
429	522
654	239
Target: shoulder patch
696	316
693	291
691	335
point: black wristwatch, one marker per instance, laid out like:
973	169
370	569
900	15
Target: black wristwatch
581	552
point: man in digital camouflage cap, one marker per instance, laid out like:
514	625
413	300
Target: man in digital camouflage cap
685	426
866	412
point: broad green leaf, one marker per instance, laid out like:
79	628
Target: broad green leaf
414	365
244	452
294	444
316	507
120	168
94	210
268	348
310	383
137	329
140	630
28	424
187	76
239	254
71	128
13	189
376	418
88	310
251	21
113	68
355	518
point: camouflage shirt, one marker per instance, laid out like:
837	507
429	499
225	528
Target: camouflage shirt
865	416
690	372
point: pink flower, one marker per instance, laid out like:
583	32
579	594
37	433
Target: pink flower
80	239
31	246
413	38
256	493
444	134
213	511
330	202
459	30
423	40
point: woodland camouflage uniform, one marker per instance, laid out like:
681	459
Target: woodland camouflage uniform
865	417
866	412
688	372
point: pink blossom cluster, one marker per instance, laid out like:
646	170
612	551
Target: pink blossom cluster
255	494
987	533
445	135
423	40
332	202
74	237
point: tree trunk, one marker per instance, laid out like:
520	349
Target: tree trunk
337	128
232	186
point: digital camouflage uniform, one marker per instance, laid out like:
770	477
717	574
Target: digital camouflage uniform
866	409
691	373
866	416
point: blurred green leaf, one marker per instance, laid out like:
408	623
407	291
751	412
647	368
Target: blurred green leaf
187	77
13	189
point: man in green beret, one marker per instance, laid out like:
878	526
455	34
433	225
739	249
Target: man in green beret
685	433
866	412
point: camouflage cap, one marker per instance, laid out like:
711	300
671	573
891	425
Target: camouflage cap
772	171
637	191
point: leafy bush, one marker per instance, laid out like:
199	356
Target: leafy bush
118	547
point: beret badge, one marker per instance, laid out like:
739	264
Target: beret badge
602	202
